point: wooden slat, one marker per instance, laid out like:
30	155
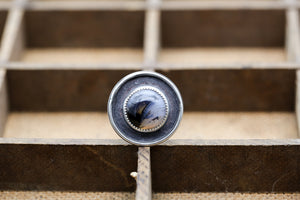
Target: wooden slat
292	35
144	187
152	35
169	143
80	66
49	141
54	195
137	66
3	102
297	106
293	51
166	5
200	66
12	38
227	5
297	103
131	5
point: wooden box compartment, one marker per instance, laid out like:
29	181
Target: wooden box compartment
235	64
222	36
89	37
73	102
58	117
255	104
250	103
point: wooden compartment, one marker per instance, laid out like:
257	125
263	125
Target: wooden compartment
97	37
255	104
58	118
73	102
250	103
235	63
222	36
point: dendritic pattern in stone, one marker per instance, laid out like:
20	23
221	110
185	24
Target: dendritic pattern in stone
146	109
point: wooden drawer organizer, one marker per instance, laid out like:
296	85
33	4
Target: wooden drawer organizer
235	62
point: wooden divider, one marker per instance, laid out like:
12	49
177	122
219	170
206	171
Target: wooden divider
151	50
10	42
240	165
144	179
293	50
13	38
152	35
3	101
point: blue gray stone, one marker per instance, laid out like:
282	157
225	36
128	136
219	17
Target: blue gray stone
146	110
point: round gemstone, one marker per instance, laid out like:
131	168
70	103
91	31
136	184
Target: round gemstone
146	109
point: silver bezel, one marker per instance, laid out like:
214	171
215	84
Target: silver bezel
117	87
166	111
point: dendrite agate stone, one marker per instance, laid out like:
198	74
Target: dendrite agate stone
146	109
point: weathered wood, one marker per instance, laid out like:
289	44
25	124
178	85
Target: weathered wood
84	29
57	141
151	48
222	28
104	57
166	5
87	90
144	187
225	66
200	125
61	90
194	165
292	35
252	142
159	66
235	55
80	66
3	101
132	5
12	38
67	167
225	168
227	5
152	36
293	51
297	103
235	90
178	165
171	142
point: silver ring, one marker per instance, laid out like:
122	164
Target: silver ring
126	87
